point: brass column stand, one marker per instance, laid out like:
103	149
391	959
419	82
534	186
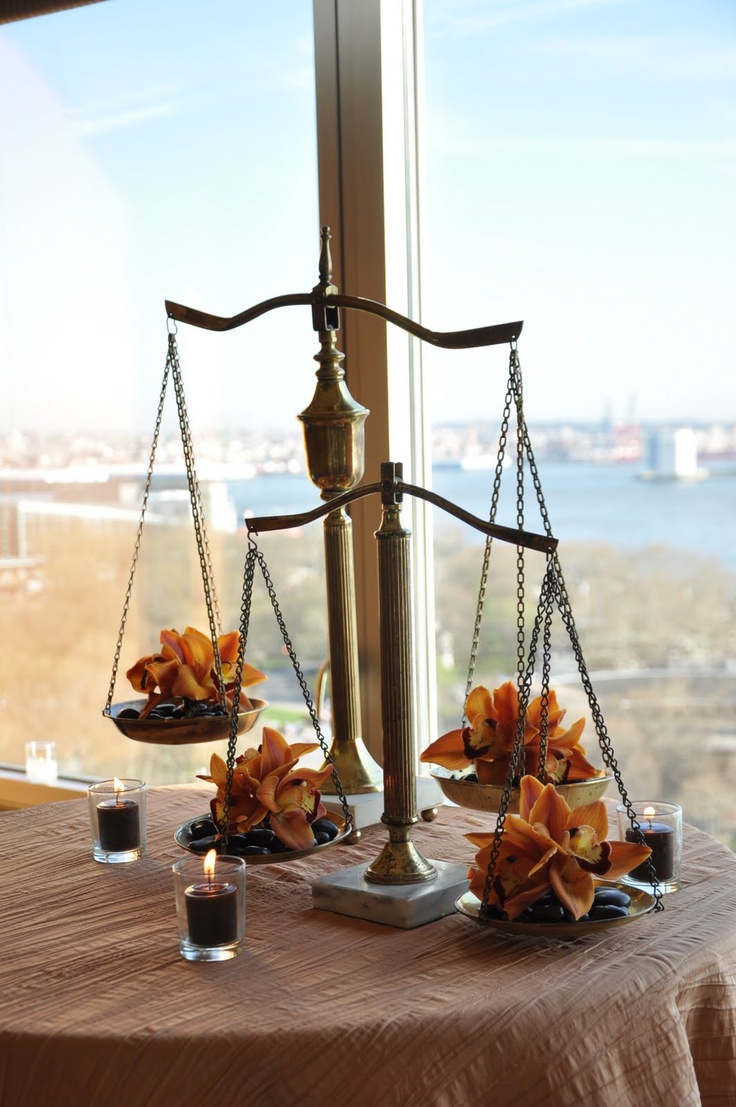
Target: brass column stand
400	862
334	439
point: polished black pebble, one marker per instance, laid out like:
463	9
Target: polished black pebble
321	838
202	828
614	896
204	845
128	713
259	837
324	826
163	711
607	911
546	913
279	847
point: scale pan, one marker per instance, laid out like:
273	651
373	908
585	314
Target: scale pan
487	797
641	904
184	838
181	732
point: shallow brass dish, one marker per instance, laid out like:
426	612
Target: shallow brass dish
487	797
641	904
183	838
181	732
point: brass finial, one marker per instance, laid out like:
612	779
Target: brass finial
325	316
325	259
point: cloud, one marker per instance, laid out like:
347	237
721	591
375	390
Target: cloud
105	116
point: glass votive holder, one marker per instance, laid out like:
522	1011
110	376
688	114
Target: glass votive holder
117	819
210	906
661	826
41	764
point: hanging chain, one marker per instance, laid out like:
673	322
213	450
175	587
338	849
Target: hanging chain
517	754
515	379
195	500
500	457
604	740
254	555
544	695
554	588
565	608
248	571
138	536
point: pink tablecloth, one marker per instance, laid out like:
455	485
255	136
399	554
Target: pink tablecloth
97	1007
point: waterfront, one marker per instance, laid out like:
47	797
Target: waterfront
585	503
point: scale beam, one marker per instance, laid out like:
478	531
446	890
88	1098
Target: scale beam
323	304
517	537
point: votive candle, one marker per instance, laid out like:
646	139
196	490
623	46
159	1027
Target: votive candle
660	825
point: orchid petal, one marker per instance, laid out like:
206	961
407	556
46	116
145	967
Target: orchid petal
551	810
228	646
293	830
191	685
479	702
492	772
138	675
250	675
530	790
518	903
218	770
481	839
626	856
161	674
593	815
506	702
591	854
171	642
275	750
573	887
447	751
197	651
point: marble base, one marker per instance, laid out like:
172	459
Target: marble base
367	808
401	905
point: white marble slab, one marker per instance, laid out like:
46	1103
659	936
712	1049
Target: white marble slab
367	807
401	905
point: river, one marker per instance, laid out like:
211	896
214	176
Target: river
585	502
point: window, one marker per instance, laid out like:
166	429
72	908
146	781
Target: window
152	151
576	173
580	166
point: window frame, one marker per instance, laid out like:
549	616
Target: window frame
368	78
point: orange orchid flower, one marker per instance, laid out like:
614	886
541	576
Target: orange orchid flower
266	783
487	741
294	802
549	846
185	668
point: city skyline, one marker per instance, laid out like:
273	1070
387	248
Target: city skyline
579	173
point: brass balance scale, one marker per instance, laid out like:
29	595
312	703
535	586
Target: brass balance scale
399	886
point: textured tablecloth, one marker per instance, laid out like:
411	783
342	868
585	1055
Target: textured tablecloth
97	1006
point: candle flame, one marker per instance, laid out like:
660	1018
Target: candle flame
118	785
209	863
650	812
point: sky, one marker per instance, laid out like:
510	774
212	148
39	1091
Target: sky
579	174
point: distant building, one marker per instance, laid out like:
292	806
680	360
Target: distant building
673	455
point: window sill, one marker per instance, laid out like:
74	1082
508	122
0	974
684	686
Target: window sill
17	792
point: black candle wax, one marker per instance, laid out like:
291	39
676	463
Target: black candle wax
212	913
661	840
118	823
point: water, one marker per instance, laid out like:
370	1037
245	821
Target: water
605	503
